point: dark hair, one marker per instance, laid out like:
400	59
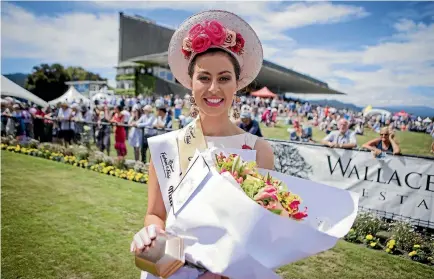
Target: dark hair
233	60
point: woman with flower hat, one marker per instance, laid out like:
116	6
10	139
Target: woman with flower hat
214	54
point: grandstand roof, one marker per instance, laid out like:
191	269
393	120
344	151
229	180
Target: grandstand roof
134	48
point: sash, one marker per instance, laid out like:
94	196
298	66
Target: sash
171	154
190	139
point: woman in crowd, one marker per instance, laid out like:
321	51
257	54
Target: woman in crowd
135	134
146	124
300	134
103	129
120	134
385	143
66	125
77	118
214	73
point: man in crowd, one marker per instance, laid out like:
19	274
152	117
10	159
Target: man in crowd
343	138
249	125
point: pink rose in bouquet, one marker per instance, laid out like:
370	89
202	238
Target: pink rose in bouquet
267	191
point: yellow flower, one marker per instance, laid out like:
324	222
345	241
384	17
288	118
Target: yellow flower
387	250
51	157
416	246
112	172
85	164
392	242
412	253
369	237
373	244
75	164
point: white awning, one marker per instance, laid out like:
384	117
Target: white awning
9	88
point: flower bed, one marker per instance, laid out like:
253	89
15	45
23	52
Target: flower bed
83	158
396	238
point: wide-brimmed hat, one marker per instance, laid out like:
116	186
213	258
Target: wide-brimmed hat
215	29
147	108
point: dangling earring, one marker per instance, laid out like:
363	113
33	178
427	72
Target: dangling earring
194	111
235	110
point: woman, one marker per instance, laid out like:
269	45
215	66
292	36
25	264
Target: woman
135	134
120	134
145	123
386	143
299	134
214	54
67	127
103	130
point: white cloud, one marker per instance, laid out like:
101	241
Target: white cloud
81	39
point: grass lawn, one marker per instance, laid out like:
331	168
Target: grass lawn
410	142
59	221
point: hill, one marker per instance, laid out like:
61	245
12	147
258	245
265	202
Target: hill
422	111
18	78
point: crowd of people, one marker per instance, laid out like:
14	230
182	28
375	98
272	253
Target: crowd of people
134	119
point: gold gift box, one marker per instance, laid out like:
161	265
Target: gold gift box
164	259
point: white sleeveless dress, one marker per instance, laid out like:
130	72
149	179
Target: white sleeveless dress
241	141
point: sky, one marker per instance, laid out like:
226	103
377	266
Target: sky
379	53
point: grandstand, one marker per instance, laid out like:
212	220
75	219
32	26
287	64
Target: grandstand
143	48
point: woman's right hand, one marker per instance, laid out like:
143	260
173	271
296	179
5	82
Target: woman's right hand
145	239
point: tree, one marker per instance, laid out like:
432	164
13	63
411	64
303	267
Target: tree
48	81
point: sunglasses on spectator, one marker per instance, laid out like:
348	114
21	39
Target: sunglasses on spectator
384	134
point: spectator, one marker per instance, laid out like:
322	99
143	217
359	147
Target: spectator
178	106
120	134
146	122
135	134
299	134
249	125
343	138
386	143
160	121
103	129
66	125
38	124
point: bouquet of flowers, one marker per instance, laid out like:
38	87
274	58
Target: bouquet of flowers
267	191
229	214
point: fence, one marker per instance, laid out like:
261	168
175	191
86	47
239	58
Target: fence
398	217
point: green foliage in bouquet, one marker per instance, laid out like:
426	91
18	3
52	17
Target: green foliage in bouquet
267	191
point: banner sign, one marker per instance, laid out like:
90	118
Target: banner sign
395	184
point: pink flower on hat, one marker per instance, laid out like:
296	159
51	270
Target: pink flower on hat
195	31
211	33
186	44
216	32
239	46
200	43
231	39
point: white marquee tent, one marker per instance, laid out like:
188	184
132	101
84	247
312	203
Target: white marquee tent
70	96
374	111
427	120
100	96
9	88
